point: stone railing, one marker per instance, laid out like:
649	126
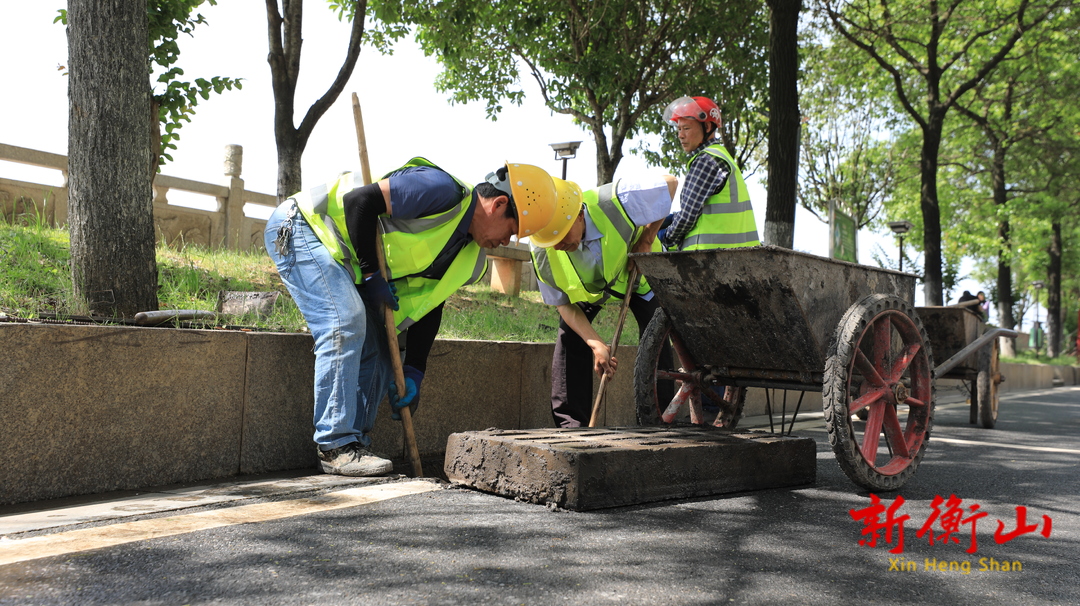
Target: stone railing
226	225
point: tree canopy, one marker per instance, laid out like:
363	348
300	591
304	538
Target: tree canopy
610	64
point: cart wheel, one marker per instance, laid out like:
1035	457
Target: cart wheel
662	379
987	386
879	358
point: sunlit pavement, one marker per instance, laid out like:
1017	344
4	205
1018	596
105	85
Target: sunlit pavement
298	539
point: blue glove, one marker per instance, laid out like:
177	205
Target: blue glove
377	292
667	221
413	377
662	236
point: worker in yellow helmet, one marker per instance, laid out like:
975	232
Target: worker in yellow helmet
434	229
581	260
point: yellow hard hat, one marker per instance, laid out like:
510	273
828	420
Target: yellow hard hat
533	193
567	208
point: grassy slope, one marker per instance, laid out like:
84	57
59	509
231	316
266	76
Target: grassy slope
35	278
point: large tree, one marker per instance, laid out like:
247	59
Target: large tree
285	21
935	53
110	210
610	64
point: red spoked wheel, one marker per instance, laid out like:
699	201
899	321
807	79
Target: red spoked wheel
666	378
879	360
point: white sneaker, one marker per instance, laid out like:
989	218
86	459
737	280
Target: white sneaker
354	460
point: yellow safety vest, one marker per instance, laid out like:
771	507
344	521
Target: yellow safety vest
617	234
409	245
727	219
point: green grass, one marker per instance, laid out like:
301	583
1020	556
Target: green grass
478	312
35	278
1030	357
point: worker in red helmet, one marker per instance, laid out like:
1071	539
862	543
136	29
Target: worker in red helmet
714	205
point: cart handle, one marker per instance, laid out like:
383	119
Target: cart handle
972	347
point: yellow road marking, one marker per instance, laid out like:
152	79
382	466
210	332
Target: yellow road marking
117	534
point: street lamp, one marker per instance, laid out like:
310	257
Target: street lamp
565	151
900	228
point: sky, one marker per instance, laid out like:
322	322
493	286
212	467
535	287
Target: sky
404	116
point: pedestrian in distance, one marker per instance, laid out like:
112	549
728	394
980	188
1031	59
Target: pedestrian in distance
581	262
434	226
981	309
714	205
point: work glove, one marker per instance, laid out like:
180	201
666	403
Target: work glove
413	377
662	234
377	292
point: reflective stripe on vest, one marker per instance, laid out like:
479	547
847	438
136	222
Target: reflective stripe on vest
410	245
323	210
727	218
555	268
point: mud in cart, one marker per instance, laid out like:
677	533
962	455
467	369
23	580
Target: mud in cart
778	319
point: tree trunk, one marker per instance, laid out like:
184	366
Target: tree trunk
784	116
285	30
1004	266
931	212
111	213
1053	293
290	152
605	165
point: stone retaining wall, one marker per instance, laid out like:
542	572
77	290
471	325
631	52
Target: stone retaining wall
89	409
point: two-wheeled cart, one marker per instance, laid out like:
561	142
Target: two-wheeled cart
970	350
774	318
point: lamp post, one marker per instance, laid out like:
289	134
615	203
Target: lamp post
565	151
900	228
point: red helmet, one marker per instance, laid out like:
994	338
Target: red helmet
701	109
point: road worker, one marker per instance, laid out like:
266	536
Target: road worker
714	205
434	225
580	261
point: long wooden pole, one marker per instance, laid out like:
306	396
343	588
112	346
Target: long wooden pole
631	286
391	325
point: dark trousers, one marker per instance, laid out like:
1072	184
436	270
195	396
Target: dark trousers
572	364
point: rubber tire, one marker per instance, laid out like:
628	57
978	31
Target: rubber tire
850	332
650	349
986	387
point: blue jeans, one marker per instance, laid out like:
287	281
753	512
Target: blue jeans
352	359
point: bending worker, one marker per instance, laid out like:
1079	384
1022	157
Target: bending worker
714	206
587	264
323	242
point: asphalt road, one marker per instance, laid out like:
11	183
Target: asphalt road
457	546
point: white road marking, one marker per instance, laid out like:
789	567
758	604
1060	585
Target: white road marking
936	438
127	532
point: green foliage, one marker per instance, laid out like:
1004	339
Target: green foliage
176	103
168	20
848	155
611	65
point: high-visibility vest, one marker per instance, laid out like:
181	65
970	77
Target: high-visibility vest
410	246
727	219
617	234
